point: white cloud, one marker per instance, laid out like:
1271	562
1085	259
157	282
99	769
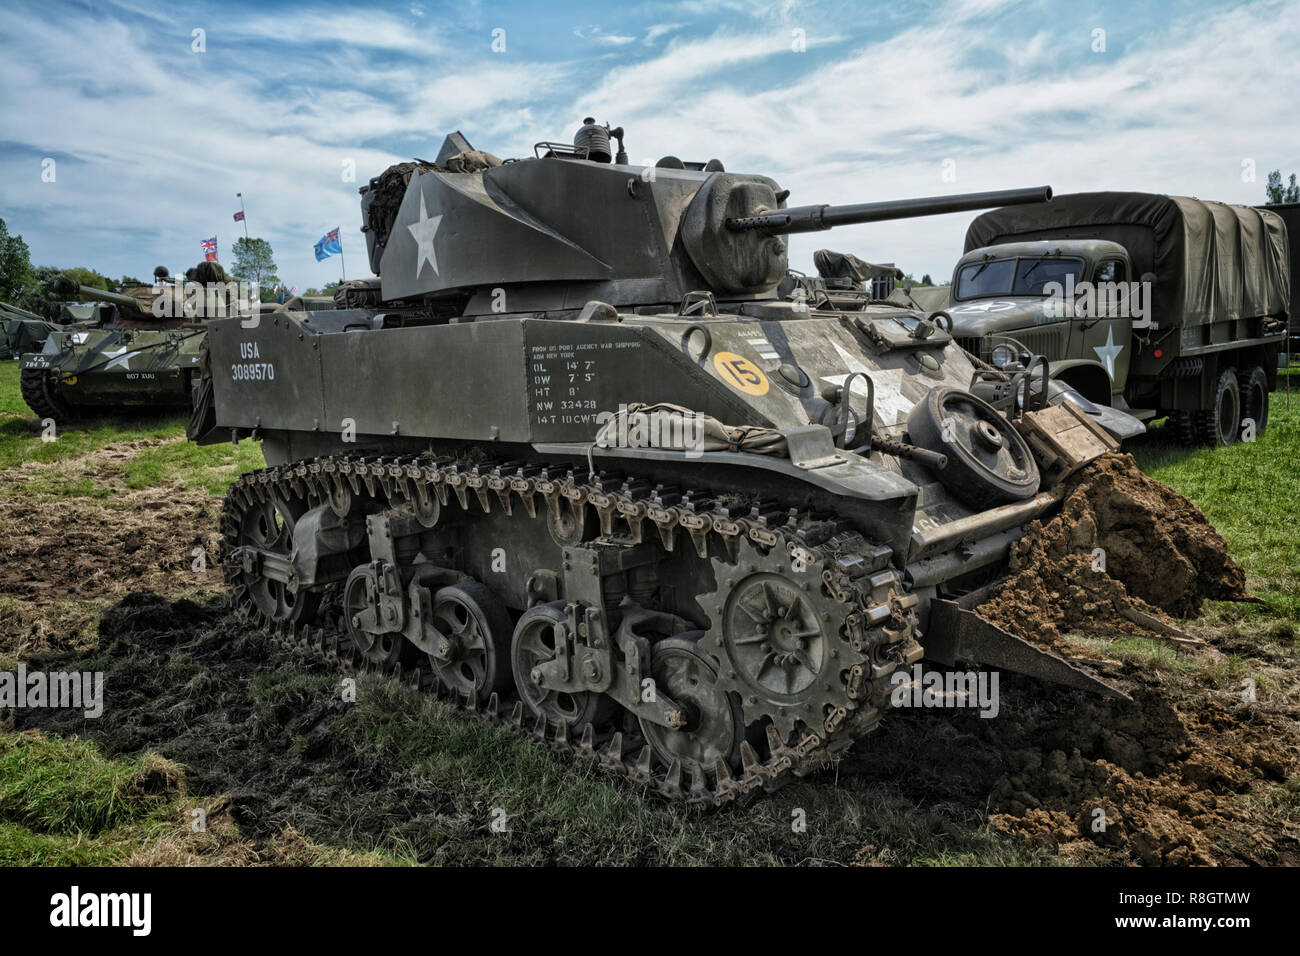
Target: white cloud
371	29
658	30
595	34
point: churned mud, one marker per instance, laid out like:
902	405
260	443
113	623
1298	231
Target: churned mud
1181	776
62	559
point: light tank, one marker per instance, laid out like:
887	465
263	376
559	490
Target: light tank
586	461
140	347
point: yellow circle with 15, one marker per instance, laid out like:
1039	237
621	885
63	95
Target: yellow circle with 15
740	373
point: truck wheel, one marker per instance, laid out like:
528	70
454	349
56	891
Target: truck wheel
1253	386
1186	427
1221	423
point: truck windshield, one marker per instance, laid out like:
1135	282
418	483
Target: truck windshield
1033	274
1024	276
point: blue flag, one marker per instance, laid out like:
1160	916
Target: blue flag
329	245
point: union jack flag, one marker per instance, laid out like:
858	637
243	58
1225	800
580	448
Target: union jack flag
239	217
210	249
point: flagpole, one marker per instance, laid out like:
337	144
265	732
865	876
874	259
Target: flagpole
245	215
342	264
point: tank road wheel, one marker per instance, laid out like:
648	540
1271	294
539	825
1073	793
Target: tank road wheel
381	650
777	638
988	462
473	654
533	643
714	727
268	526
1221	423
41	394
1253	387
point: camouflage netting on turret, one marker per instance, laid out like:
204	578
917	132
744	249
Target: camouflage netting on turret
207	272
386	191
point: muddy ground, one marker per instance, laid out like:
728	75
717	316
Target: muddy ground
1189	772
61	560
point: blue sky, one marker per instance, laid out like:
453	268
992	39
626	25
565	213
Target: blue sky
151	140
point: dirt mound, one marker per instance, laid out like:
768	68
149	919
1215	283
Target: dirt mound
1122	546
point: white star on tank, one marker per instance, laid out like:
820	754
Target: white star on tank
424	230
891	406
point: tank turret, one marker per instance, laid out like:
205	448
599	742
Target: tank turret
569	222
162	302
69	289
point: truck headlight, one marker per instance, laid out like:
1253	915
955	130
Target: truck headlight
1003	355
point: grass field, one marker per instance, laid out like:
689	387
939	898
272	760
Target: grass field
396	779
1250	493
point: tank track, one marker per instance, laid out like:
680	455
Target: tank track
877	634
35	386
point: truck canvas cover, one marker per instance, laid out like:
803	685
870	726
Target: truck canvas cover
1214	262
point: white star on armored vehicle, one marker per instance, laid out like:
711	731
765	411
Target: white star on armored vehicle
424	231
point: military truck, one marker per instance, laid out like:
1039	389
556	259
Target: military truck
1290	214
572	462
1156	305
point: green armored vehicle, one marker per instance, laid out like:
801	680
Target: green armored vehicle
22	331
572	462
141	346
1155	305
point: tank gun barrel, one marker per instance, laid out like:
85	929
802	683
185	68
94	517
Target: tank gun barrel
67	289
817	218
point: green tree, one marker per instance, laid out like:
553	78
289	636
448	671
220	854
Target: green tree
90	278
254	262
132	280
926	280
17	278
1277	192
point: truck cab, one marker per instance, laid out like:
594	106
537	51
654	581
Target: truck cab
1003	304
1155	305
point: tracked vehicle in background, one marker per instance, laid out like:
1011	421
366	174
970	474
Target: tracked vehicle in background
138	349
22	331
572	462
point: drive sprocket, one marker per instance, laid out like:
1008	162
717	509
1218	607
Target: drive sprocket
779	639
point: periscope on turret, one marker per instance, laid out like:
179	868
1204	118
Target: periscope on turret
585	429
